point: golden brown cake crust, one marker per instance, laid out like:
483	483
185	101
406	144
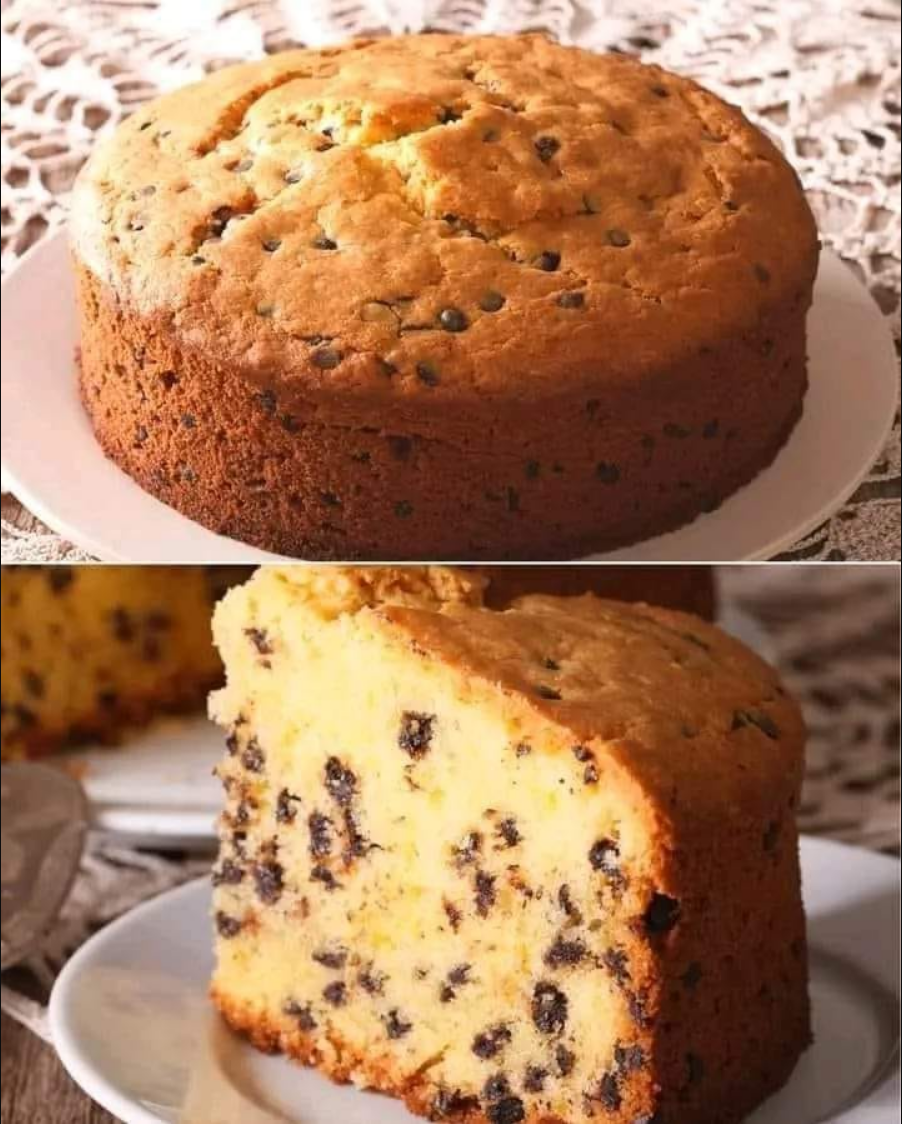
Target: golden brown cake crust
327	311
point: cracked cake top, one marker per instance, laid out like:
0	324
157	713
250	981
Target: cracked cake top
434	217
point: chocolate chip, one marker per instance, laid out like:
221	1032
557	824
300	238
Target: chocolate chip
340	782
253	758
268	880
485	893
759	720
320	834
565	1060
534	1079
628	1059
396	1026
403	509
546	692
453	320
617	963
227	926
447	1104
549	1008
692	975
710	429
259	637
546	147
662	913
605	855
301	1012
618	238
460	975
453	914
659	91
573	298
326	358
491	301
489	1043
509	832
678	431
270	245
33	683
565	901
508	1111
335	993
416	733
607	1092
334	958
607	473
427	374
60	578
372	982
496	1087
762	273
564	953
285	806
228	873
400	447
323	243
548	261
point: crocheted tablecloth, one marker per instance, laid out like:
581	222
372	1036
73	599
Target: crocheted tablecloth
822	78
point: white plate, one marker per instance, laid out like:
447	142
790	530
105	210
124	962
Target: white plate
157	789
131	1023
53	464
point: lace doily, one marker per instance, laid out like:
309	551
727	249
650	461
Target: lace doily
834	634
822	78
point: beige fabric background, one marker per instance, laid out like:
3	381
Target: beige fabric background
822	77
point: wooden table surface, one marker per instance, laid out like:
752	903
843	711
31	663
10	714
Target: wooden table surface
34	1087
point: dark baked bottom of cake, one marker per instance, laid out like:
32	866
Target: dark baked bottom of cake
592	476
418	1094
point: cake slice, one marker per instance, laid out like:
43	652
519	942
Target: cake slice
90	651
535	865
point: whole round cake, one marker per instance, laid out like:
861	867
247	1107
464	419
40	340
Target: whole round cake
442	297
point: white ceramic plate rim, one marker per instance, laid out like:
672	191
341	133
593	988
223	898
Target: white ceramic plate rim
102	1089
115	520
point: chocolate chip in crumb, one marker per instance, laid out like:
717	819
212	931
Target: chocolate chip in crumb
496	1087
573	298
259	637
546	147
253	757
372	982
548	261
546	692
336	993
491	301
453	320
565	1060
489	1043
341	783
549	1008
396	1026
323	243
605	855
659	91
403	509
270	245
416	733
507	1111
453	914
534	1079
227	926
301	1012
268	880
629	1059
320	834
565	901
285	806
618	238
710	429
662	913
228	873
334	958
485	892
60	578
447	1103
564	953
607	473
509	832
607	1092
